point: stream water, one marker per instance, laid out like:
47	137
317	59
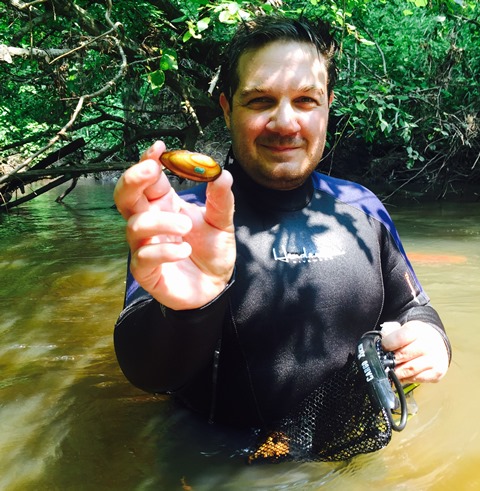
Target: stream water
70	421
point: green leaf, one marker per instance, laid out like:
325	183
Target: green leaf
179	19
366	42
156	79
233	7
385	127
225	17
191	29
202	24
168	61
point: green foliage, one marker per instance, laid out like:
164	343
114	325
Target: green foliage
416	88
408	73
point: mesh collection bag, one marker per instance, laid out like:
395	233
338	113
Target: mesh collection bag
345	416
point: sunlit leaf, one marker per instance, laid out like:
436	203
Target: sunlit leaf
366	42
225	17
203	24
168	60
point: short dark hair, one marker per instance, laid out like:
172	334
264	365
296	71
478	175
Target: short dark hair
265	29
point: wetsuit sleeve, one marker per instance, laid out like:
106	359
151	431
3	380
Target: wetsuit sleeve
159	349
405	299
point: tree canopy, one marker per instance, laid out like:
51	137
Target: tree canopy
103	79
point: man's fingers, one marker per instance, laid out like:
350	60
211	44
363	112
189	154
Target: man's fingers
142	183
149	257
129	193
395	336
153	152
162	185
220	205
420	352
156	227
421	370
389	327
414	371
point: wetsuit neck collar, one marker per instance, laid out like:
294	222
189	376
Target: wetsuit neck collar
260	196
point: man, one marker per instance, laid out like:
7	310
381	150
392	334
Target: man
242	314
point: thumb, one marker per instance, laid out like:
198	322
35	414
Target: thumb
220	204
390	341
389	327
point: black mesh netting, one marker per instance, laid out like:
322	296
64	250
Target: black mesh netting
336	422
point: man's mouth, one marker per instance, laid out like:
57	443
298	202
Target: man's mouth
283	148
275	148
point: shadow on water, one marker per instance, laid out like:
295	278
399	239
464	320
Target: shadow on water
70	421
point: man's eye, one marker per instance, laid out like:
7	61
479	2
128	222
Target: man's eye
260	101
307	101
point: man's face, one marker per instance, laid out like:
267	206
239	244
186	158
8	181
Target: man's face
279	113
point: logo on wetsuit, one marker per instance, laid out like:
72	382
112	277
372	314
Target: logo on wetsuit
327	253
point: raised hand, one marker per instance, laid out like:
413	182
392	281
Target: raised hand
181	253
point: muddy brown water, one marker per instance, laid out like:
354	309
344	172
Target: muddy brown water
70	421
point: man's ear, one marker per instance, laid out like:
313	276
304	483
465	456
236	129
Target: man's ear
226	109
330	98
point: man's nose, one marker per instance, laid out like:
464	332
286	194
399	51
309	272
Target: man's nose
283	119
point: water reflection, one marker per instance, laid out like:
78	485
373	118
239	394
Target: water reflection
70	421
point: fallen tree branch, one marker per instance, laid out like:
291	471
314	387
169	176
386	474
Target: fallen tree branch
69	171
68	190
24	6
7	52
18	4
63	132
20	179
34	194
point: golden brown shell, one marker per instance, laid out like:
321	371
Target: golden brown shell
191	165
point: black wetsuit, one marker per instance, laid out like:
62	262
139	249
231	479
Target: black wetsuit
316	268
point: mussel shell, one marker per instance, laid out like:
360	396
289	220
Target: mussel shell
191	165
